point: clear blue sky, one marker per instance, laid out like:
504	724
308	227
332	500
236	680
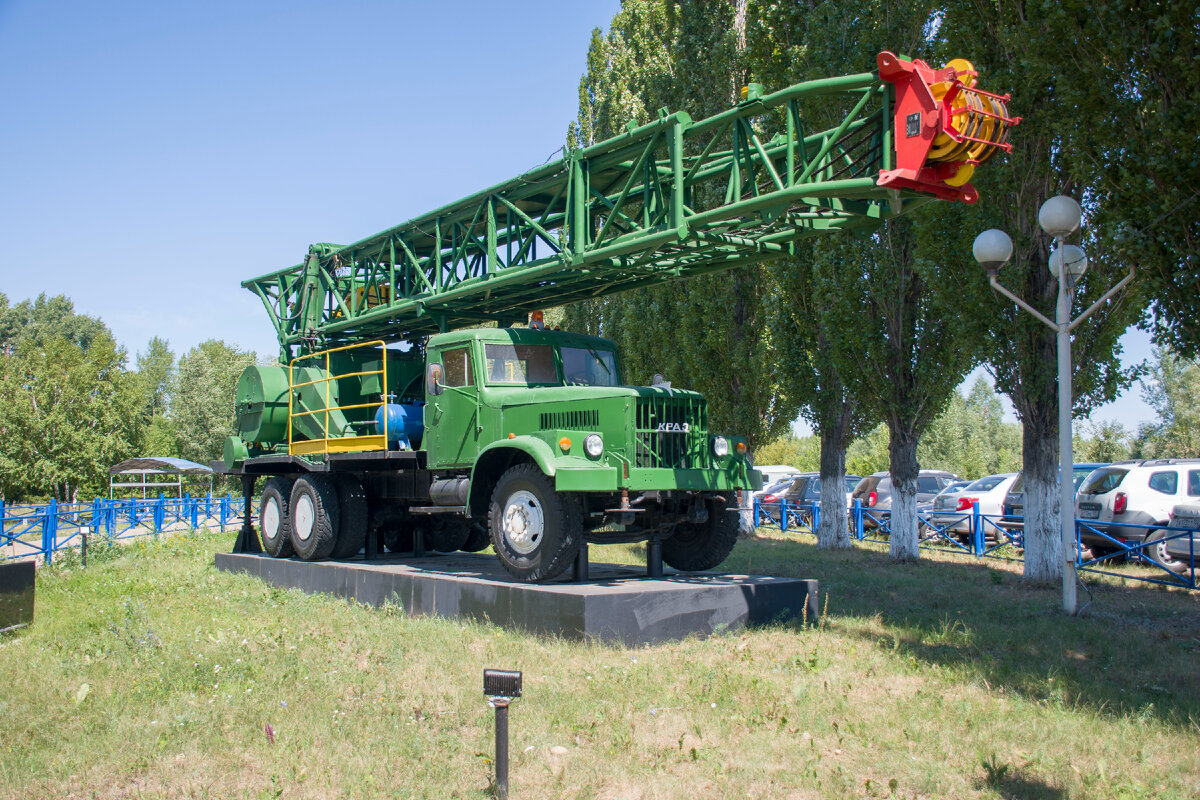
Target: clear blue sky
157	154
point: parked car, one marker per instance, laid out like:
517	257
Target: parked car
1014	501
875	493
1140	493
773	473
952	510
801	490
1185	549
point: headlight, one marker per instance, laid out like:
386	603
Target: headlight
720	446
593	445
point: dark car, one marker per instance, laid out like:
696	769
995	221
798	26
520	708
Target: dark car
802	491
875	493
1014	501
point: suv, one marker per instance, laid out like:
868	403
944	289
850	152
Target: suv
1014	501
875	493
1138	493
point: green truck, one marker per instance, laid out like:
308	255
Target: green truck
419	402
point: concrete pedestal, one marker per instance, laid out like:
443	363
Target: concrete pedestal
616	603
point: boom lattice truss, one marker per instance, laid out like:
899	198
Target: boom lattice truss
667	200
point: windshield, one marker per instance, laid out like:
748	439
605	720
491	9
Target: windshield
986	484
1103	480
520	364
586	366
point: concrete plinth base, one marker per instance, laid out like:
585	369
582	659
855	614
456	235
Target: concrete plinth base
617	603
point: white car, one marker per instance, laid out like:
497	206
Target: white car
1138	497
954	510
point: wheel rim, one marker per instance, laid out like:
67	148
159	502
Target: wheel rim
306	515
270	520
1162	556
524	523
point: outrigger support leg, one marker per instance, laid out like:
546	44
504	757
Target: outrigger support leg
579	571
247	540
654	567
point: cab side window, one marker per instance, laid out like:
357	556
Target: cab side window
458	367
1194	482
1165	482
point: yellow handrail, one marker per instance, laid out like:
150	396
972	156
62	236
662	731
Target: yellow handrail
342	444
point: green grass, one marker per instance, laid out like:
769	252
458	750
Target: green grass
939	679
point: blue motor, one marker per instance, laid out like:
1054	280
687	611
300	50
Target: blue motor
403	424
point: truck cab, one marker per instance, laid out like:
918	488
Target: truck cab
525	438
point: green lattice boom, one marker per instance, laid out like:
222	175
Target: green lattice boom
663	201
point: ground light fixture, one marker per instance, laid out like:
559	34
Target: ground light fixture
1059	217
501	686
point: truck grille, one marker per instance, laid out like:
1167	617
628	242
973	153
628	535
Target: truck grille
671	433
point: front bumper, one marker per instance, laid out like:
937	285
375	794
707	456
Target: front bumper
609	479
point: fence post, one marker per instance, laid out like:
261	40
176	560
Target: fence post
976	529
50	529
159	513
783	520
1	522
816	516
195	508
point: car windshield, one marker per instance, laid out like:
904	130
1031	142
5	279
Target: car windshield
986	484
1103	480
586	366
520	364
930	484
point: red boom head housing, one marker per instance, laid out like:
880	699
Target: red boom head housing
943	126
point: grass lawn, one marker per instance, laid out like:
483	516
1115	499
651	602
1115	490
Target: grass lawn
150	674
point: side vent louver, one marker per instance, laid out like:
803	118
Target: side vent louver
571	420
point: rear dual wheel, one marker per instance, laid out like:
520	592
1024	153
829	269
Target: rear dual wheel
315	517
699	546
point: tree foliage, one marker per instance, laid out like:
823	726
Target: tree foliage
1172	388
70	408
708	333
202	410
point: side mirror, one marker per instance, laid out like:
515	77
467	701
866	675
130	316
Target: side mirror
433	379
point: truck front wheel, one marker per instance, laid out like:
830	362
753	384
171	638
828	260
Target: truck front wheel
696	547
535	530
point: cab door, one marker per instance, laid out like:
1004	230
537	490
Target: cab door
452	424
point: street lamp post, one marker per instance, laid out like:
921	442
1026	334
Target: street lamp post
1059	217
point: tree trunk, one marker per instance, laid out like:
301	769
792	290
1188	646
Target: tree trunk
833	533
1043	533
902	447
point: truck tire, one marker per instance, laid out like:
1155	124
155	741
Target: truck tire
314	517
274	520
446	535
352	521
694	548
477	538
537	532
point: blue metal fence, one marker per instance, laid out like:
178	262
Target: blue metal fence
972	533
42	529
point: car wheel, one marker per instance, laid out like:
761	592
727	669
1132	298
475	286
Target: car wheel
314	517
273	517
536	531
1156	551
697	547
